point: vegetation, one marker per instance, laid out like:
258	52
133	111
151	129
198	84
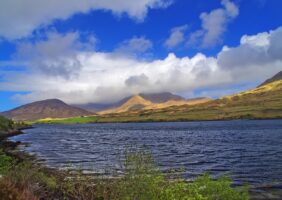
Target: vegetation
6	124
142	181
72	120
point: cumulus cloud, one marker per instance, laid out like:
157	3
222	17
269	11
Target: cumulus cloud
177	36
106	77
213	24
56	54
19	18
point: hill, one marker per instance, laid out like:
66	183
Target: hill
276	77
50	108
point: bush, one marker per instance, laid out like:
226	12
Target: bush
6	163
143	181
5	124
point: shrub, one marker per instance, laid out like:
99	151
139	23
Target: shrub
143	181
6	163
5	124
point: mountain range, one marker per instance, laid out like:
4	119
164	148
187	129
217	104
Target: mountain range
152	97
55	108
265	101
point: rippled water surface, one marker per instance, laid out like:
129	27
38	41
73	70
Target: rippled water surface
250	151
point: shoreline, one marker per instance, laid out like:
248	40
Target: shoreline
57	122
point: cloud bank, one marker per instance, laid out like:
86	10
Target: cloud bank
19	18
63	67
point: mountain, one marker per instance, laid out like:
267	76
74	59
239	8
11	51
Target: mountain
276	77
138	102
153	97
50	108
134	103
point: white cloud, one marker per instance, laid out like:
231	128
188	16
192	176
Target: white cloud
177	36
213	24
107	77
18	18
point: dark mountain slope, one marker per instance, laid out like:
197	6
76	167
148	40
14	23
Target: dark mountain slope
161	97
276	77
50	108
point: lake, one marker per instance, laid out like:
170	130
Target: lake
249	151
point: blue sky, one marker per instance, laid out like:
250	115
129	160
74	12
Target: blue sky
101	51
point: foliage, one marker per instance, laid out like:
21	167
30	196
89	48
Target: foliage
6	162
6	124
22	180
142	180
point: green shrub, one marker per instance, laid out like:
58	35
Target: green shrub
25	173
143	181
5	124
6	162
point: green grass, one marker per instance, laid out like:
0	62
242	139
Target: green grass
72	120
142	180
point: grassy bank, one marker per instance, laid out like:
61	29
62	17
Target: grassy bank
24	180
9	127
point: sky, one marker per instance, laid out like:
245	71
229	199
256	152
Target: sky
92	51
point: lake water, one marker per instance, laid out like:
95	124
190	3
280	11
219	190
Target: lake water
249	151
